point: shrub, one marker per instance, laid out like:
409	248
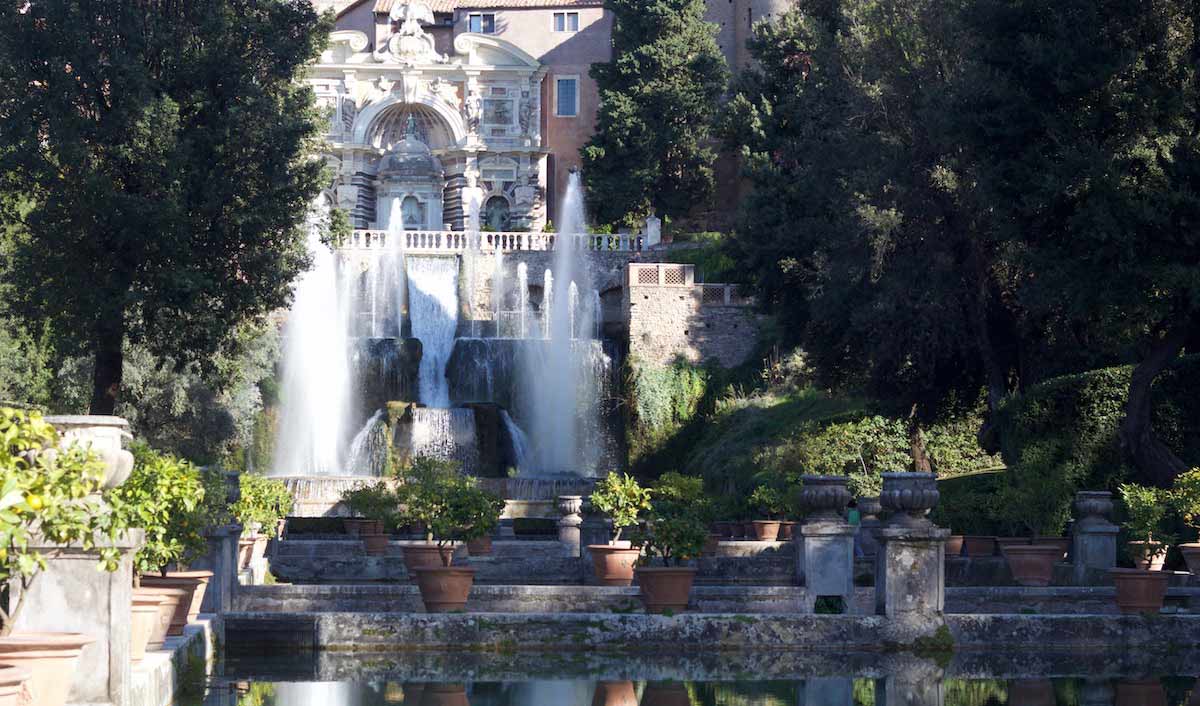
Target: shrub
468	512
622	498
422	492
169	499
676	488
1146	509
1185	498
49	493
263	500
769	501
373	502
674	531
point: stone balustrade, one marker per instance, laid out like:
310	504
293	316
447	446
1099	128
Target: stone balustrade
453	241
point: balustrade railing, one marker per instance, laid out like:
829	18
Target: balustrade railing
451	241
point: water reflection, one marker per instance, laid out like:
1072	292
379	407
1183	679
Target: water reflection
905	689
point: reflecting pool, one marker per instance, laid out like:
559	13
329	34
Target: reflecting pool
753	678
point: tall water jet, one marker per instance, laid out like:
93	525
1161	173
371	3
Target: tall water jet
433	312
522	300
315	394
573	309
497	285
547	301
555	386
597	315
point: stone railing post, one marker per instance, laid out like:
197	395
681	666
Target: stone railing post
569	522
827	541
910	573
72	595
1094	536
869	524
222	556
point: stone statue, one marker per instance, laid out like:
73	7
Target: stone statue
471	111
525	114
410	43
525	195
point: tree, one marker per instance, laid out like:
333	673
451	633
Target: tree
166	151
658	99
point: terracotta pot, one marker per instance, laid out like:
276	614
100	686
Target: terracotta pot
1191	555
711	543
1002	542
481	546
737	530
194	582
613	565
445	589
50	658
766	530
979	546
375	544
1032	564
144	619
417	556
614	693
444	695
1139	590
1031	692
170	598
725	529
954	545
1138	553
1063	544
748	529
666	694
1140	692
787	529
665	588
14	686
245	551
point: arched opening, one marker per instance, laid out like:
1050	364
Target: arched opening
496	213
430	128
412	212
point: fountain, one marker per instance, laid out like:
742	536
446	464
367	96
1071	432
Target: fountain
433	312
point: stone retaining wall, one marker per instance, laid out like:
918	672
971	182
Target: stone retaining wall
161	678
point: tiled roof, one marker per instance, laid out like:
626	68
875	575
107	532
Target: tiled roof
382	6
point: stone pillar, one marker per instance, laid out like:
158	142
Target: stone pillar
222	560
910	681
569	522
73	595
827	541
868	526
653	231
910	578
1094	536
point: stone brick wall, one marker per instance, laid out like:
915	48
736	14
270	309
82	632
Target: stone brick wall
671	316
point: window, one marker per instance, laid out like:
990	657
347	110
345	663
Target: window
566	22
481	22
566	97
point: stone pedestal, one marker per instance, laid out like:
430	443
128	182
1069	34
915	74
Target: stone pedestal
569	522
827	553
73	595
222	560
868	526
910	573
1094	537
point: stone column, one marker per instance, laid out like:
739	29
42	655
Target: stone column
1094	536
910	681
827	541
73	595
569	522
910	579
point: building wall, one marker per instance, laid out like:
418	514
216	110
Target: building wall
670	317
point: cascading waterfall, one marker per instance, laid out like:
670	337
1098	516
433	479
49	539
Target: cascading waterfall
369	449
433	312
520	442
445	433
315	393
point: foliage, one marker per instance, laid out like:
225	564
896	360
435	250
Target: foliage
45	494
1146	509
1062	436
375	501
133	229
622	498
1185	498
769	500
468	512
659	96
969	504
663	399
688	491
166	497
264	501
708	252
676	523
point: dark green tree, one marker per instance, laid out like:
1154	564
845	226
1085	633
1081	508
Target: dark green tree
658	99
167	151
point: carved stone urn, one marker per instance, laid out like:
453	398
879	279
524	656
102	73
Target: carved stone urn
824	497
1093	507
909	497
870	507
104	436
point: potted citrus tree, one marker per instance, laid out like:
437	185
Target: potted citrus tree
1143	588
420	498
623	499
689	490
50	497
673	534
376	506
467	512
769	503
1185	497
1040	507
